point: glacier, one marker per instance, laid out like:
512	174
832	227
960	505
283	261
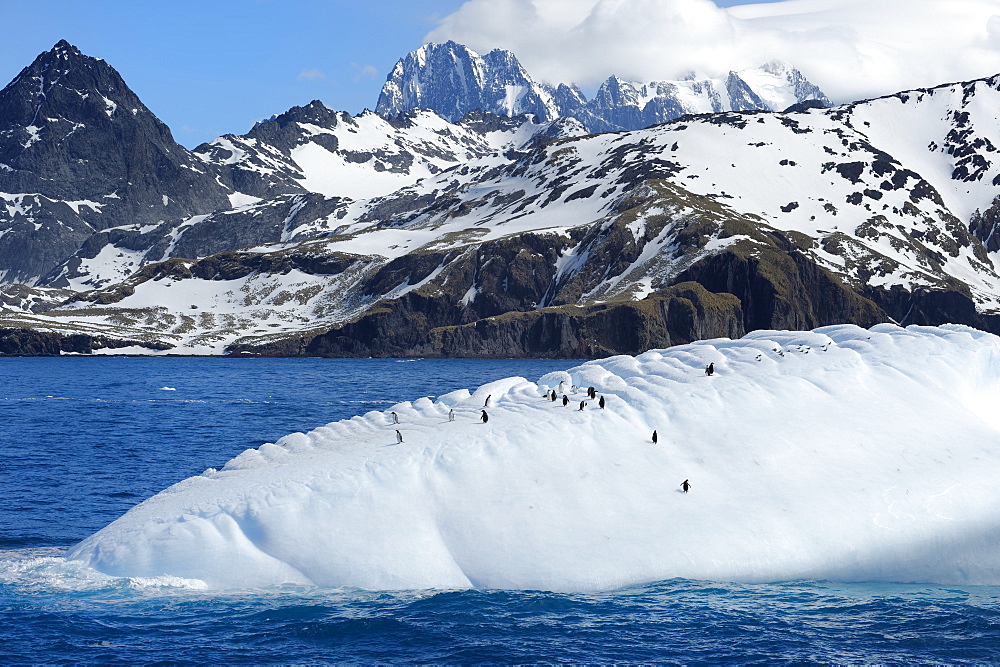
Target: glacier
841	453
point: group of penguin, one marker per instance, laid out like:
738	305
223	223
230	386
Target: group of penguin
591	393
451	417
553	396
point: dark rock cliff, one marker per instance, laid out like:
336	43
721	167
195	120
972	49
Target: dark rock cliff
89	155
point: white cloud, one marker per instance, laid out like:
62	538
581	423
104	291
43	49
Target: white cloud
365	72
850	48
311	75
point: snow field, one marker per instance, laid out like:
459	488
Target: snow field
842	453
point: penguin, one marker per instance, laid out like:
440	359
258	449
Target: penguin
601	402
487	403
574	389
583	404
395	418
553	395
710	369
399	436
655	438
486	417
591	392
685	485
451	415
565	400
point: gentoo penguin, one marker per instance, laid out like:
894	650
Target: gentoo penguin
486	417
399	436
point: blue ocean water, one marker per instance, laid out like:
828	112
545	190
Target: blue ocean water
83	439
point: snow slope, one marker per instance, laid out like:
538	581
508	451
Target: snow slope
842	453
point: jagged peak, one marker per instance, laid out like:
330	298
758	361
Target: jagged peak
430	48
63	46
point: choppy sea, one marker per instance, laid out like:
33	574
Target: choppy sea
84	439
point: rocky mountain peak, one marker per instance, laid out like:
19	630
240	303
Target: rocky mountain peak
453	80
81	153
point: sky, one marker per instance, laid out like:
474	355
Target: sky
211	67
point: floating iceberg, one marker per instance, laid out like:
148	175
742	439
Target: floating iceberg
842	453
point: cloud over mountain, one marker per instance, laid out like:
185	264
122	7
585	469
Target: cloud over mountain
850	48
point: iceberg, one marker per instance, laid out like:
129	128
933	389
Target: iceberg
843	454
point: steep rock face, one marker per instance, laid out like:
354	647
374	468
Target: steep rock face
679	314
984	226
34	343
454	80
783	288
79	152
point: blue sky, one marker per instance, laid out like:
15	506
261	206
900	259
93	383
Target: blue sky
209	67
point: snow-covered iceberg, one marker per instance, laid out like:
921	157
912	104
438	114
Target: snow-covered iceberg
841	453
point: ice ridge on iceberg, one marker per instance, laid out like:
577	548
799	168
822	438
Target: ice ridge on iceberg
842	453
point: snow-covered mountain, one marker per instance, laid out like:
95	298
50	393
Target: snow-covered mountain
453	80
302	175
840	454
504	236
316	149
630	105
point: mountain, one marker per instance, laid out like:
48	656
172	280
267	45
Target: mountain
502	236
626	105
303	175
316	149
80	153
454	80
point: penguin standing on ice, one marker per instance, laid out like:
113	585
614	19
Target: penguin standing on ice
601	403
591	392
486	417
655	437
451	415
710	369
583	404
395	417
565	400
685	485
487	403
553	395
399	436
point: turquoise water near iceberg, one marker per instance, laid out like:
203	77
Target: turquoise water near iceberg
84	439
